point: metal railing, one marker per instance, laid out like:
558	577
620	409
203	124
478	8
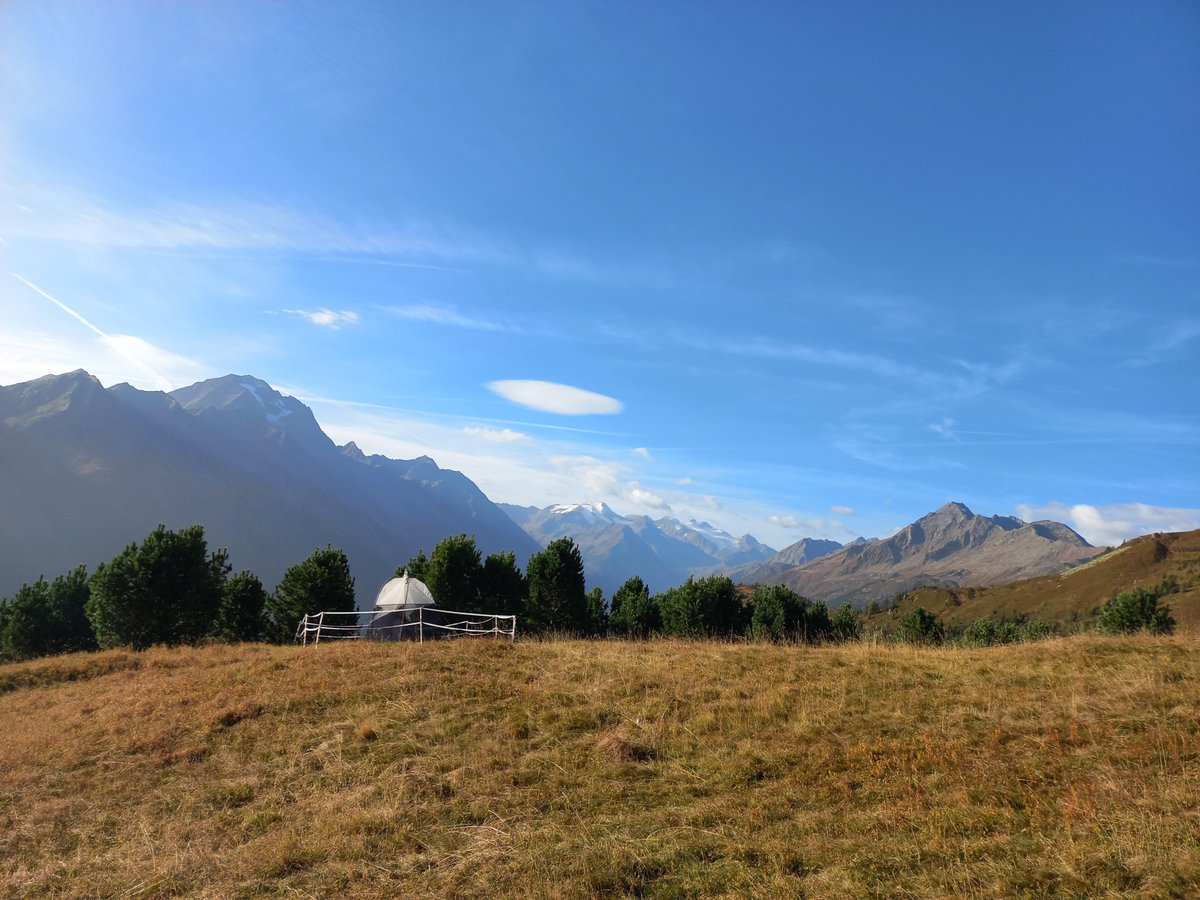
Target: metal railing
350	626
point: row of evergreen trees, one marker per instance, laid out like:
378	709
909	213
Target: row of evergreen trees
552	596
171	589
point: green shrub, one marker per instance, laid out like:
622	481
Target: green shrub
846	624
920	626
990	633
1135	610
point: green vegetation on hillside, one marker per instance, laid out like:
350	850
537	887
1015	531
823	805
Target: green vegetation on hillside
1166	564
570	768
170	589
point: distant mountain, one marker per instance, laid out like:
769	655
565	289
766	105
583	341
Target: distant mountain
951	546
663	552
797	554
1073	596
87	470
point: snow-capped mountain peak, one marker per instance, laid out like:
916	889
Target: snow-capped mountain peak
589	513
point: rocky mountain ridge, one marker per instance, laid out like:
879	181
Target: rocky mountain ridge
951	546
88	470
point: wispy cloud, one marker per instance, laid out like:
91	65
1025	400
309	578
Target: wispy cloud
761	347
496	435
842	510
236	224
809	526
326	318
640	496
785	521
454	318
643	453
1110	525
549	396
151	361
945	428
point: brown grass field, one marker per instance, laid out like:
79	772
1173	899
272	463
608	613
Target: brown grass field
568	768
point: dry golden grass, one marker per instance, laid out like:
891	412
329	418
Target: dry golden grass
1069	767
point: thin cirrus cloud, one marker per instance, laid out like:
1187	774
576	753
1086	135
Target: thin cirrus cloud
443	315
326	318
238	225
551	397
842	510
496	435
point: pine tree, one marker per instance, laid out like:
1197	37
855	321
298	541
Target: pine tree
557	597
167	590
242	613
321	583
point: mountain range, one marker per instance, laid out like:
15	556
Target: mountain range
86	470
951	546
663	552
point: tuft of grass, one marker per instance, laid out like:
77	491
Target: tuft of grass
661	768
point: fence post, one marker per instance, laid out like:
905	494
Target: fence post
320	625
420	624
304	630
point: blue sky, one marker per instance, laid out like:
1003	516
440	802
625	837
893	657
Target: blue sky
796	269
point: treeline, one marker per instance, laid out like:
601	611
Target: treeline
552	596
171	589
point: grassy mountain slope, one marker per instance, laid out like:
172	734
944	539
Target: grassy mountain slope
1071	596
566	768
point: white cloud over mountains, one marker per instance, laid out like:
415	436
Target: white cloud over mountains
549	396
1110	525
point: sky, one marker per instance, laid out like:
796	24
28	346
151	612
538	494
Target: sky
798	270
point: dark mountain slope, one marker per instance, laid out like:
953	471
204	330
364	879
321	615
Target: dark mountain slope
87	470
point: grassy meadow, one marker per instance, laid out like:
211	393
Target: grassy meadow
1069	767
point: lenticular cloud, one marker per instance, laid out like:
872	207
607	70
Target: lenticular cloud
563	399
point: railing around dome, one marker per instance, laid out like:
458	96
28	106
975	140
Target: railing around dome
360	625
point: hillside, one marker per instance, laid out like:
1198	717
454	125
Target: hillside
571	768
1071	597
948	547
92	469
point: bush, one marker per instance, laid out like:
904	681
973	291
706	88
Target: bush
846	624
708	607
46	618
990	633
778	613
919	626
1135	610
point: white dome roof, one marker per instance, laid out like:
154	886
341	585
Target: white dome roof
403	592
